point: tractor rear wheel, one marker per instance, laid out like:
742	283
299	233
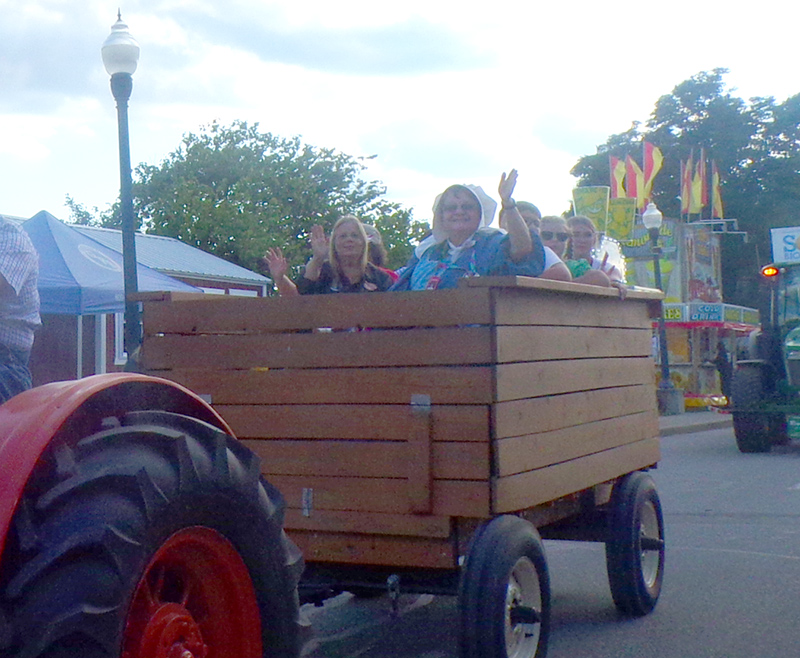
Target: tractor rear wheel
753	429
155	537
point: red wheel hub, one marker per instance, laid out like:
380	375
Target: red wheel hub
194	600
173	633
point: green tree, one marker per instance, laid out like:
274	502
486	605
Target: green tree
755	143
235	192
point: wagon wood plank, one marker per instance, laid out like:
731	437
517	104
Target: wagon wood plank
526	453
520	307
538	378
369	422
543	343
229	314
412	347
385	495
368	523
445	385
561	288
373	459
375	549
517	492
519	417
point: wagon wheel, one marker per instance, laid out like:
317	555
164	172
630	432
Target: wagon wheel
151	539
504	594
635	544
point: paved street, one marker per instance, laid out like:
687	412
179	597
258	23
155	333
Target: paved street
731	585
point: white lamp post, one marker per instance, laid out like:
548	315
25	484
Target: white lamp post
120	55
652	220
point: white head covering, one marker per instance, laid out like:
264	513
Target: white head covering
488	207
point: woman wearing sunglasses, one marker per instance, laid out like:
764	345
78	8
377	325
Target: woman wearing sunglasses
556	235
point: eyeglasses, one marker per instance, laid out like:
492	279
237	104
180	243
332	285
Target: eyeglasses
549	235
467	207
582	234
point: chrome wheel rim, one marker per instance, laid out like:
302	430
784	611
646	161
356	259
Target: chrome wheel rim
650	559
523	590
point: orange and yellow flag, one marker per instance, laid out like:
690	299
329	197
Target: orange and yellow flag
686	185
699	185
634	181
716	196
653	160
617	168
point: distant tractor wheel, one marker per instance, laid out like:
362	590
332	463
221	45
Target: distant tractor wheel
753	430
153	538
635	547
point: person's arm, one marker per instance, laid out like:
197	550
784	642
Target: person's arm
278	266
319	252
519	235
557	272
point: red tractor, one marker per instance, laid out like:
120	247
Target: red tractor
134	524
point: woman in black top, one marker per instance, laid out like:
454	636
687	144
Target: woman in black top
337	265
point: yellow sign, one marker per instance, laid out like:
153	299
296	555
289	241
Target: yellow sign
593	203
621	218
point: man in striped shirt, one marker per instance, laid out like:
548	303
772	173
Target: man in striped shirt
19	307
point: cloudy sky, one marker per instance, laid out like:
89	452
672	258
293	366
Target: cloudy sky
440	91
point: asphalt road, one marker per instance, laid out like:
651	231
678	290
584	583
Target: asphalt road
731	588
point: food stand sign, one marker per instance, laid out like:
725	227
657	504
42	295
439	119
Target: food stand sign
785	244
706	313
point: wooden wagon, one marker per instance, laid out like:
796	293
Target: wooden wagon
430	439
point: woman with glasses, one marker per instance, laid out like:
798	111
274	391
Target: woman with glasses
463	244
554	235
551	231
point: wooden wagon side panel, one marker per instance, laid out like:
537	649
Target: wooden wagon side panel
575	395
320	388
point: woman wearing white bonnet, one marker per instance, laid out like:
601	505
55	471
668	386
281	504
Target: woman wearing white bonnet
463	244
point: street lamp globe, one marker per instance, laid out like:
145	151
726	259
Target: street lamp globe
652	217
120	50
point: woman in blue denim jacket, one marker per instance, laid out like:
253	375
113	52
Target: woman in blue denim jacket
463	244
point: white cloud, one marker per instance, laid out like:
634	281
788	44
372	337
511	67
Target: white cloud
440	91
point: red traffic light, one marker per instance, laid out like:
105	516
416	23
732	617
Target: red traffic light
769	271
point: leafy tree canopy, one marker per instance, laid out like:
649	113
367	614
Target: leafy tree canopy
235	191
754	142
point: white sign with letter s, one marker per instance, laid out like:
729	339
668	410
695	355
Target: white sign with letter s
785	244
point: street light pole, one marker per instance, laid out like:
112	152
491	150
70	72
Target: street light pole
652	219
120	56
667	393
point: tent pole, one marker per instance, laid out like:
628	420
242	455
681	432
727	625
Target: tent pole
79	346
100	344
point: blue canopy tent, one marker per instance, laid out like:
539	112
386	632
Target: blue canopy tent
80	276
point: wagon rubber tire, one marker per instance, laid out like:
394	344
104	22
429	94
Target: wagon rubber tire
635	545
150	538
753	431
504	593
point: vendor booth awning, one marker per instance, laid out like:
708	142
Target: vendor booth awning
80	276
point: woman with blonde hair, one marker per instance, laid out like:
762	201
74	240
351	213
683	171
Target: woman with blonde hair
338	264
582	243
